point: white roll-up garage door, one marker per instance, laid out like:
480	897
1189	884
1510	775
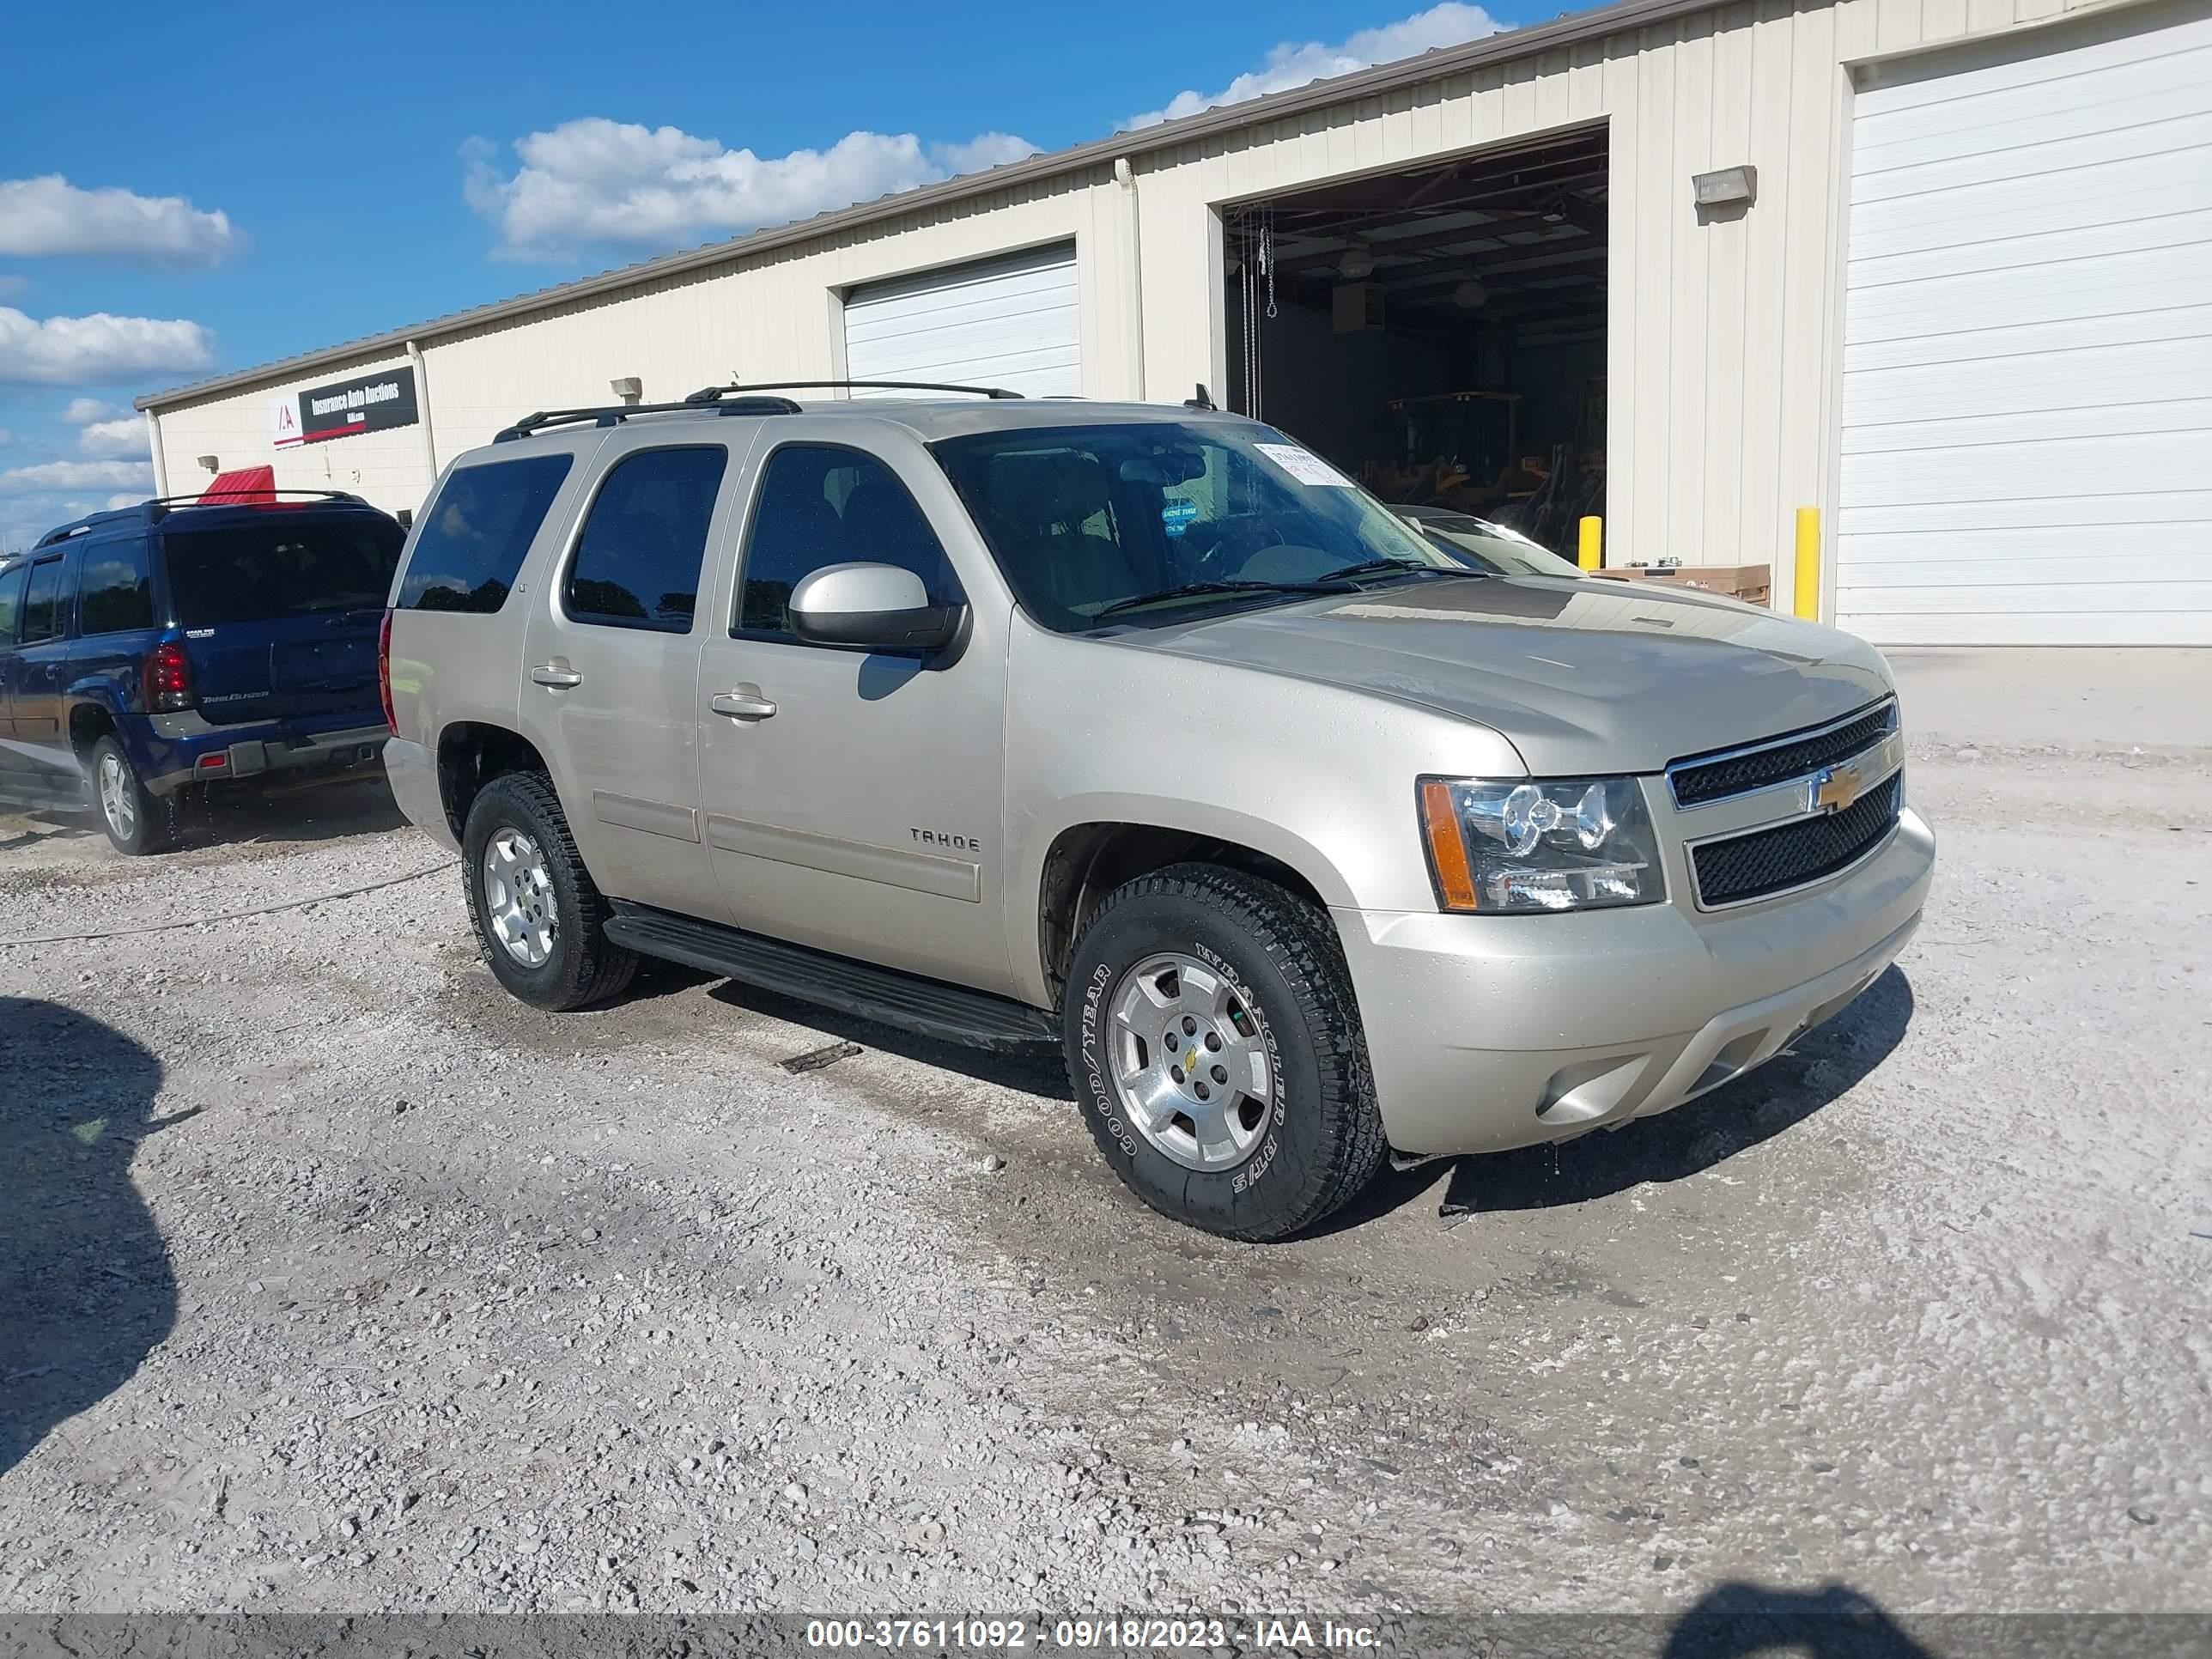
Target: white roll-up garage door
2027	360
1011	323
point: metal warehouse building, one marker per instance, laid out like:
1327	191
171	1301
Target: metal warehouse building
1941	270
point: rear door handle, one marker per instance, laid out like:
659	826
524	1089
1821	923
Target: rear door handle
557	675
746	703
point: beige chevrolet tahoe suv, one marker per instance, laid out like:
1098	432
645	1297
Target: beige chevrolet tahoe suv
1142	733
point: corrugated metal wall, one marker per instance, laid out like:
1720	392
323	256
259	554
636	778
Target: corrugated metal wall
775	317
1723	332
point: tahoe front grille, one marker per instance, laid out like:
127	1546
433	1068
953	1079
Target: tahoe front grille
1789	855
1696	781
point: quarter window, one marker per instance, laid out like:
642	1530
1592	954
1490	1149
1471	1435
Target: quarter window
46	608
475	535
115	593
820	504
637	563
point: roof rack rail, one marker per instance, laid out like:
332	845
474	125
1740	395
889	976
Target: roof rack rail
246	497
713	394
159	507
615	414
162	506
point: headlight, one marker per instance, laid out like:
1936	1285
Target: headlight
1540	844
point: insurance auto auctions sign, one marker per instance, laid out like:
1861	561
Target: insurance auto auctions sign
370	403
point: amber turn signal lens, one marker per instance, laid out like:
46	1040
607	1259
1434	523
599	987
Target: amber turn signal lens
1447	847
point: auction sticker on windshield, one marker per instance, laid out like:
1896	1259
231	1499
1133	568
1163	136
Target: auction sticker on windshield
1304	466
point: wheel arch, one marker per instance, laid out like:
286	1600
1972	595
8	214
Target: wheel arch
89	719
470	755
1087	858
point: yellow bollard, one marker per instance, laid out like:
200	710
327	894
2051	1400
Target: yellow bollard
1589	543
1805	596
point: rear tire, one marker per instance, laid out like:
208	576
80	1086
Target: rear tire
540	921
1265	1122
138	821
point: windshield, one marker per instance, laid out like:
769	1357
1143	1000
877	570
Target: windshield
1152	521
1491	547
262	571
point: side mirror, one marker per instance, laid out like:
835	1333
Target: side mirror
879	606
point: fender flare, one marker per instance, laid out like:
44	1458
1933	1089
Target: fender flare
1201	819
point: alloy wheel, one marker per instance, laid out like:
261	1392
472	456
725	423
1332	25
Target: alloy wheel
115	797
519	902
1190	1063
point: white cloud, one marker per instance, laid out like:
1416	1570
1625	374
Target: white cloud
82	412
76	475
116	501
50	215
983	151
123	440
1293	63
97	349
594	181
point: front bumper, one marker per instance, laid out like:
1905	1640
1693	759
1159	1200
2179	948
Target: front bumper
1491	1032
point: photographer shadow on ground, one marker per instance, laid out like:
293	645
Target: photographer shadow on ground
1833	1622
86	1289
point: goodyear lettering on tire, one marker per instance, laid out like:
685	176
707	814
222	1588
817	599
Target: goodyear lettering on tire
1255	1170
1102	1097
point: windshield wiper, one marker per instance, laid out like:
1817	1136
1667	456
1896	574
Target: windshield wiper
1185	589
1379	566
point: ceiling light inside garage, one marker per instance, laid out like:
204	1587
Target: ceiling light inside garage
1358	266
1470	296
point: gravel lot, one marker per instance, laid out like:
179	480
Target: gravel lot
331	1277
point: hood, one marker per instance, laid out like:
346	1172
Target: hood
1580	677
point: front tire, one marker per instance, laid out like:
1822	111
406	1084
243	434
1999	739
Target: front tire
540	920
1215	1047
138	821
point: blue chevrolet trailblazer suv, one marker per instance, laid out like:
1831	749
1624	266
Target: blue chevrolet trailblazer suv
151	652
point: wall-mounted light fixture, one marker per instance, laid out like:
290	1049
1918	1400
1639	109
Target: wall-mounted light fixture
213	463
1726	186
630	388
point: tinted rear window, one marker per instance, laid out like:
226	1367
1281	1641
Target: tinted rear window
114	593
475	536
11	602
45	606
644	539
250	572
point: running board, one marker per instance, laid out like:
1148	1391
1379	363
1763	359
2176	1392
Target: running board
929	1007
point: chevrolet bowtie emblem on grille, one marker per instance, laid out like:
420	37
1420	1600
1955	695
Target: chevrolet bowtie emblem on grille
1833	788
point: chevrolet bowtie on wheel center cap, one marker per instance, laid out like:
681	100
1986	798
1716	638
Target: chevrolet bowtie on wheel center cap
1188	1063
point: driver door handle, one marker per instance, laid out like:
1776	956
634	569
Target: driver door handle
556	674
745	704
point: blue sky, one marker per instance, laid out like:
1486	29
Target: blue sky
184	191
